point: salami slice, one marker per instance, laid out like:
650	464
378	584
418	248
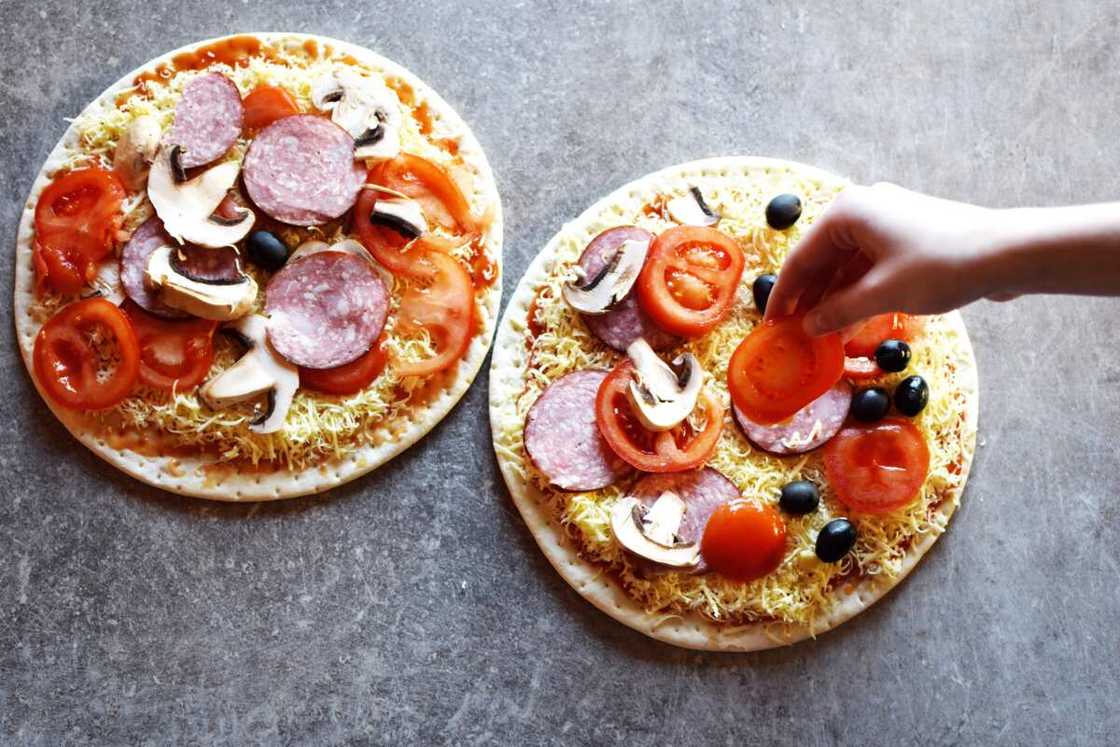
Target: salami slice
801	433
326	309
207	119
222	265
625	322
562	439
301	170
134	261
703	491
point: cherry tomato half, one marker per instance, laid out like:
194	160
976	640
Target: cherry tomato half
896	326
68	365
689	280
675	450
264	105
778	369
75	219
349	378
174	354
744	541
877	467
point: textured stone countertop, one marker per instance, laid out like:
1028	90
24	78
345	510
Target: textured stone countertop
412	605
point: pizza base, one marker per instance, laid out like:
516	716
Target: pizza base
589	579
183	474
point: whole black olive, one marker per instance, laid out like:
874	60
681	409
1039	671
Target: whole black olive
870	405
893	355
267	250
783	211
799	497
761	288
911	395
835	540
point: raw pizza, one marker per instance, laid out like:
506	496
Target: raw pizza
710	479
259	267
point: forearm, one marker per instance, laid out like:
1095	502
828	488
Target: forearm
1055	250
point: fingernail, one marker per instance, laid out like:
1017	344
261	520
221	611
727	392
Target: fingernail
813	324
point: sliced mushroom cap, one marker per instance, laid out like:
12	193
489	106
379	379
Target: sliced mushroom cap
691	210
597	294
364	107
222	301
136	150
350	246
259	372
403	215
187	207
663	394
652	533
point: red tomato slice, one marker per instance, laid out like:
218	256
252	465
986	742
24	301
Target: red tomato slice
689	279
67	364
877	467
862	369
444	308
893	326
675	450
174	354
264	105
778	369
744	541
441	201
75	219
349	378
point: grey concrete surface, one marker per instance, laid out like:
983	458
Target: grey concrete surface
412	606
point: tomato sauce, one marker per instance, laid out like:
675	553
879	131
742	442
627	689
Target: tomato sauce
235	51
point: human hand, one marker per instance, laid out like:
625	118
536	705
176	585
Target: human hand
884	248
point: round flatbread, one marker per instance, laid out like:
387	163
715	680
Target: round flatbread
540	340
377	423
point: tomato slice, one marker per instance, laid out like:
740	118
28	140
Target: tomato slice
744	541
861	368
444	308
877	467
893	326
266	104
174	354
689	279
778	369
675	450
349	378
440	199
68	365
75	219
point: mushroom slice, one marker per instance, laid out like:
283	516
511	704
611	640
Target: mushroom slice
349	246
597	294
364	107
221	301
691	210
260	371
136	150
402	215
651	533
663	394
186	207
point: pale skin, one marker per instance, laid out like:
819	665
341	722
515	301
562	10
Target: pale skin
884	248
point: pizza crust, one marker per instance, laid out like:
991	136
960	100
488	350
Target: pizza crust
184	475
590	580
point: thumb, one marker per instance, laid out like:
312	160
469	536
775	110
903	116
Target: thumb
859	301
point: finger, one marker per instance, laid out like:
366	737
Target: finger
847	307
816	255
